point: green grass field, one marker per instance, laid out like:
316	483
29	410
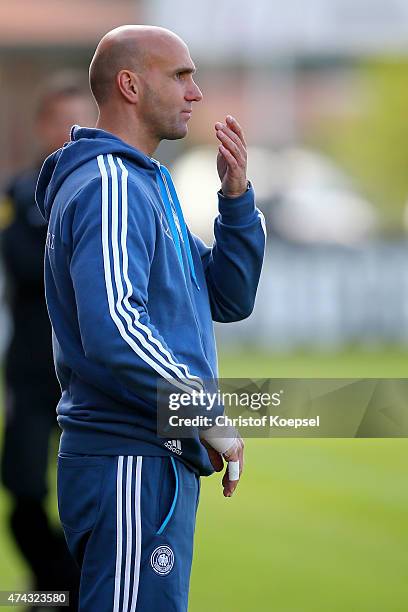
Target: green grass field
315	526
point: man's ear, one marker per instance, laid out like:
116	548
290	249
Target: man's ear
128	85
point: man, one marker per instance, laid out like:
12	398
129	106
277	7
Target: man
32	389
131	295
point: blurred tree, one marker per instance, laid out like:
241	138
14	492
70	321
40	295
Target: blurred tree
371	142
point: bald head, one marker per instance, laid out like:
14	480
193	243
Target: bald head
130	47
142	80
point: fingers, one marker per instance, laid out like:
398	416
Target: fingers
233	470
216	460
235	159
229	485
215	457
234	130
232	157
234	125
229	145
235	454
225	134
229	158
231	141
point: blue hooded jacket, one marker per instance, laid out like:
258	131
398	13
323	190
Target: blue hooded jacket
132	294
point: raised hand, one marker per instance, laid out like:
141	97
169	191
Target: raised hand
232	157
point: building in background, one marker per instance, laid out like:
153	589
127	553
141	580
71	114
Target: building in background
36	39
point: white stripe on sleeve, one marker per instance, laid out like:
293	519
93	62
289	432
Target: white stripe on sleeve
127	304
110	294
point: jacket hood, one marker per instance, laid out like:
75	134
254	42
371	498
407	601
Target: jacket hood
85	144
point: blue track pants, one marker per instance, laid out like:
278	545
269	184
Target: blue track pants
129	523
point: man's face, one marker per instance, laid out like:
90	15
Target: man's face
168	92
64	112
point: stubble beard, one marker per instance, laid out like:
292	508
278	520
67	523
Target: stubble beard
162	123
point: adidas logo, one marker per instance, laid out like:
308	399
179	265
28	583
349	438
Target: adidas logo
174	446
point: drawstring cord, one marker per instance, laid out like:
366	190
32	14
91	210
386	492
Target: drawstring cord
169	197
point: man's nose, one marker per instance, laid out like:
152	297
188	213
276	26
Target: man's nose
194	94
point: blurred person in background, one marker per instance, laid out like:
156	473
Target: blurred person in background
32	390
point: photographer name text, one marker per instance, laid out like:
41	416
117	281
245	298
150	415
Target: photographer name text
251	421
